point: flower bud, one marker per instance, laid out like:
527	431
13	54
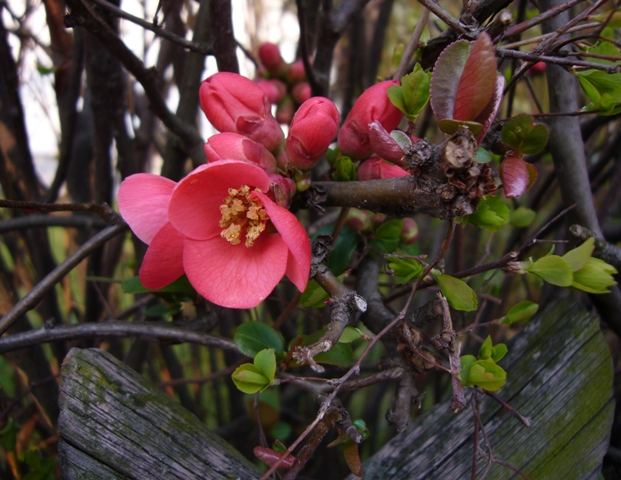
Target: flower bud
301	92
270	57
376	168
373	104
233	146
538	67
313	127
297	73
273	89
233	103
359	220
409	231
282	190
285	109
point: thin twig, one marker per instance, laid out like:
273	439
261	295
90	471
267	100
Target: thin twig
412	45
443	15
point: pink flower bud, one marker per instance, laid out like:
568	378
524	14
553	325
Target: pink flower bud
297	73
233	103
376	168
313	127
383	144
359	220
233	146
538	67
285	109
273	89
282	190
301	92
409	232
270	57
372	105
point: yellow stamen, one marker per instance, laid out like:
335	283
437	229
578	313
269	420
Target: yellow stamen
242	217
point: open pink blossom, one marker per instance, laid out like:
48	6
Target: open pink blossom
237	242
143	202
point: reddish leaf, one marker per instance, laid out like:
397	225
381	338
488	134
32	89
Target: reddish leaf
445	78
270	457
383	144
487	116
352	458
478	80
515	174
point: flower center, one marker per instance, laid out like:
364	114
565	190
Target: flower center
242	217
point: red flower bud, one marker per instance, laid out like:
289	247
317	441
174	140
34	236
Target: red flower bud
359	220
313	127
273	89
233	146
233	103
297	73
270	57
538	67
409	232
372	105
282	190
376	168
301	92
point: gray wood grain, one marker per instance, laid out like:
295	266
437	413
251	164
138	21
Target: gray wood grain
560	375
112	421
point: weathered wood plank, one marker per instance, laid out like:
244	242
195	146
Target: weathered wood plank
560	375
113	422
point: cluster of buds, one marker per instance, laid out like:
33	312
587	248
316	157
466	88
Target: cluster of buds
284	84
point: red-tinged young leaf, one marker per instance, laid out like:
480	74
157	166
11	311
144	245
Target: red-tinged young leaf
487	116
352	458
515	175
445	78
478	80
270	457
450	126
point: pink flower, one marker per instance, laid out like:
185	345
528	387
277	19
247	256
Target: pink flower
273	89
313	127
143	202
233	103
376	168
270	57
301	92
233	145
372	105
237	242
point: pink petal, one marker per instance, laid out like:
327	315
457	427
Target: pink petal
163	262
143	202
296	238
195	203
235	276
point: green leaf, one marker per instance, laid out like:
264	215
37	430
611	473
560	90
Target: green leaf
252	337
578	257
402	139
405	269
388	236
522	217
492	213
8	435
314	296
265	361
486	348
602	89
7	378
458	293
499	351
413	93
521	312
552	269
281	431
465	363
522	135
343	249
450	126
340	355
350	334
487	375
248	379
596	276
483	156
344	169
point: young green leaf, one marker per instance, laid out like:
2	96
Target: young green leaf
523	135
486	349
596	276
522	217
314	296
252	337
499	351
578	257
405	269
458	293
248	379
388	236
412	95
602	89
492	213
521	312
265	361
487	375
552	269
